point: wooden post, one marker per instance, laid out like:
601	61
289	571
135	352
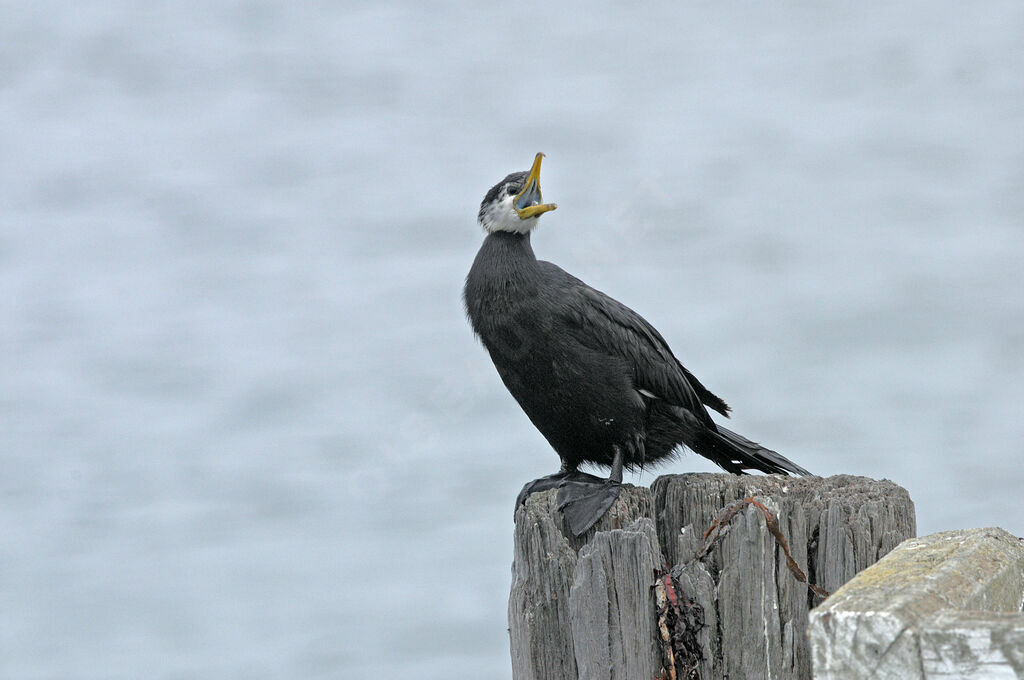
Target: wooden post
545	620
642	595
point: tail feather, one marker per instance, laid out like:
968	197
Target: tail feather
737	454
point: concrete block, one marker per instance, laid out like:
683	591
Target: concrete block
973	645
932	608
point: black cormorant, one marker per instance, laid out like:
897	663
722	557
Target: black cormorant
598	381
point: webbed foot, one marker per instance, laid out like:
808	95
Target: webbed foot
585	502
554	481
582	498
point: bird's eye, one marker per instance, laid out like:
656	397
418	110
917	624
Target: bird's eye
512	190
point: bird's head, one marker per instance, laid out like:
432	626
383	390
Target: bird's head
514	203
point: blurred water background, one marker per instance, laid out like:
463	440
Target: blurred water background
246	431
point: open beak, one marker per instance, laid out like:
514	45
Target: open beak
529	202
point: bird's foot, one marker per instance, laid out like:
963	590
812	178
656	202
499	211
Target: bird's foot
583	502
554	481
582	498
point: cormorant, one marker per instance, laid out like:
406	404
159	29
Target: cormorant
597	380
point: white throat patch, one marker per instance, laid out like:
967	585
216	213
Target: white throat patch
501	216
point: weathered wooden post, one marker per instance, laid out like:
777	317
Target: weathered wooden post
644	595
564	589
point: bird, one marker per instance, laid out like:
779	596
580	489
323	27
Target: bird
597	380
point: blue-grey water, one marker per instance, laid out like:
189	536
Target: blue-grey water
246	431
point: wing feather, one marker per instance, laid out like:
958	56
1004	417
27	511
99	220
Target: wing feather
604	323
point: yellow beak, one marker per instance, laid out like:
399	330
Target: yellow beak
529	202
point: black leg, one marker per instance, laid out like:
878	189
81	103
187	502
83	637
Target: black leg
617	462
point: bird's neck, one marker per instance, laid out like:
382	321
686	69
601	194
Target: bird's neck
503	280
508	253
510	244
504	266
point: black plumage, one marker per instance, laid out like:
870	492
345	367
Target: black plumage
592	375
